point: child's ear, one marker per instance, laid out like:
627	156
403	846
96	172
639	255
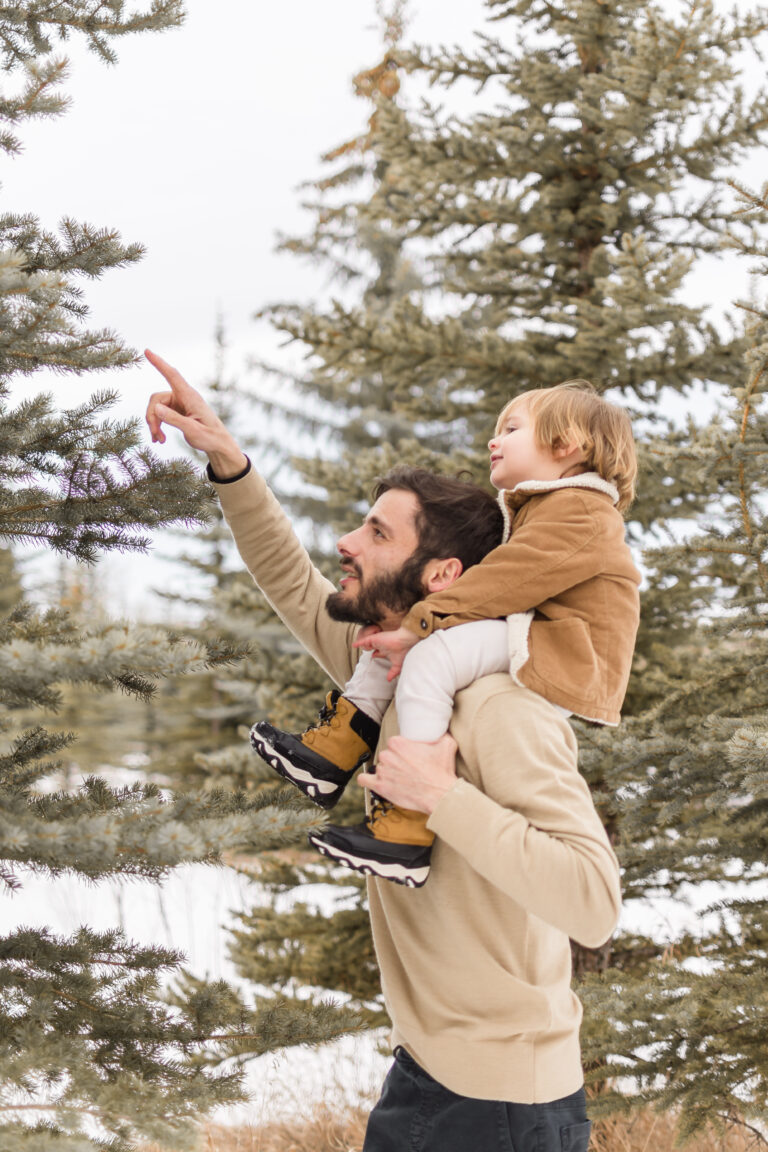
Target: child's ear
565	446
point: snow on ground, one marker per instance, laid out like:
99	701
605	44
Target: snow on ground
190	912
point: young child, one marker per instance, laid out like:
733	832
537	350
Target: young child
556	605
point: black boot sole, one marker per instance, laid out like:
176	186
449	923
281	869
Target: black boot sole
398	873
324	793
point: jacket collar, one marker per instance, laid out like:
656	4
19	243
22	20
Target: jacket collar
511	500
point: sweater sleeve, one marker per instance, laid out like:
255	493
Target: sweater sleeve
281	567
556	548
531	829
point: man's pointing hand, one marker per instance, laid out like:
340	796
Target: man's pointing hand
184	408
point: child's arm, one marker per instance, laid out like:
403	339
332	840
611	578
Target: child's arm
557	547
393	645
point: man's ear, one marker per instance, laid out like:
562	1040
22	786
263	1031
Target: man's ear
440	574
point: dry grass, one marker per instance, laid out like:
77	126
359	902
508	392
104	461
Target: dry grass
329	1131
325	1131
650	1131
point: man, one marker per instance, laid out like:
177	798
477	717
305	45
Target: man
475	965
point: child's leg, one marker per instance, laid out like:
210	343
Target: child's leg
438	667
395	843
322	760
368	687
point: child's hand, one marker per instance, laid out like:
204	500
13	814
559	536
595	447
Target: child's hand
365	633
392	646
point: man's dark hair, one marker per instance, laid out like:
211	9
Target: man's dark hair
455	518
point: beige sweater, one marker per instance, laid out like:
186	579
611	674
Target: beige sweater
475	966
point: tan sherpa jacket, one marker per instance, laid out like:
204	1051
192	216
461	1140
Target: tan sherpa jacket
565	560
476	965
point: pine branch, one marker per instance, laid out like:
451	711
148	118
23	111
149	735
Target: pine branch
29	31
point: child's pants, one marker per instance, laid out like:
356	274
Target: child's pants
433	672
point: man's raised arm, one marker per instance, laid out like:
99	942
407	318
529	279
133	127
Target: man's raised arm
265	539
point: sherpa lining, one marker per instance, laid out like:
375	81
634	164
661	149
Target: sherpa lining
518	627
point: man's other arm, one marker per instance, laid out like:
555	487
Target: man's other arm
531	828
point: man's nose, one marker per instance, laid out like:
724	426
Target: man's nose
346	544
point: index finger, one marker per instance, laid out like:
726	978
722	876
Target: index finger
365	642
171	374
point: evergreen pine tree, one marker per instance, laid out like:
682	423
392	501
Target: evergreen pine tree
350	422
10	581
692	772
552	234
90	1056
112	727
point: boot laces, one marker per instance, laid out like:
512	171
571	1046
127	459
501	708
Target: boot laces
323	724
326	713
379	808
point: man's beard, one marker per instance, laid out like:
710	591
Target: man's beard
391	593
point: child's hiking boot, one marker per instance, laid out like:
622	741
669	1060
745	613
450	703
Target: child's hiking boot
322	760
392	843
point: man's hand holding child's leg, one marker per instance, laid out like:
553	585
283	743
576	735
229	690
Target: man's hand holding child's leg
412	774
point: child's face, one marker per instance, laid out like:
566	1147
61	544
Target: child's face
515	455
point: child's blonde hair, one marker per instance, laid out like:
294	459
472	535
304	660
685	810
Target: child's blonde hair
575	413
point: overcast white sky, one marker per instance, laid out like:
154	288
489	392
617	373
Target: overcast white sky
194	144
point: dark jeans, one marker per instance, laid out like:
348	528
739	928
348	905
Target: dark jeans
416	1114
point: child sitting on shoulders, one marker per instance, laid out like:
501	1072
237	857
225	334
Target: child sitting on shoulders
556	605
